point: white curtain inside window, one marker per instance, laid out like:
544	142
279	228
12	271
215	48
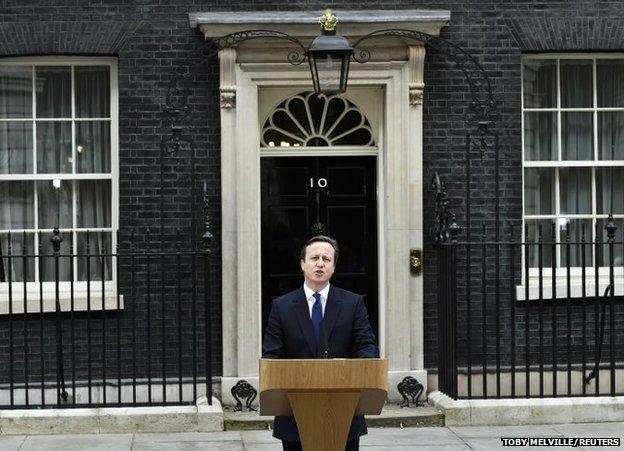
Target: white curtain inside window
16	212
539	191
540	136
15	91
54	154
16	148
92	91
53	91
610	190
93	147
21	244
16	205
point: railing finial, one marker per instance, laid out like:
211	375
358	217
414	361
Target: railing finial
56	240
610	227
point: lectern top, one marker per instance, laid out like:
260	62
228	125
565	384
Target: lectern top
323	374
281	378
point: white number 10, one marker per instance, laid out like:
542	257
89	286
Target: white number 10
321	183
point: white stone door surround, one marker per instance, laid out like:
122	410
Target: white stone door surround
397	68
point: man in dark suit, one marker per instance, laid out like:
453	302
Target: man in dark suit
318	320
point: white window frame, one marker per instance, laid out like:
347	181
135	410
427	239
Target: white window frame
561	272
103	294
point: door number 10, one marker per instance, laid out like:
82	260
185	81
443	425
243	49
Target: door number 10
321	183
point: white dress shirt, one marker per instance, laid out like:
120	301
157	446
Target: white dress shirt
310	297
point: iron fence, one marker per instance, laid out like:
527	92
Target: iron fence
88	325
539	317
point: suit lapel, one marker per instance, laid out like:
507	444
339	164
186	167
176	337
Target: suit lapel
302	312
332	310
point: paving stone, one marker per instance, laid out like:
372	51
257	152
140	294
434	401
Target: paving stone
277	446
490	444
257	437
409	436
505	431
11	442
188	437
591	430
91	442
415	447
189	446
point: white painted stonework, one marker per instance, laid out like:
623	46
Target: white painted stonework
522	411
389	89
198	418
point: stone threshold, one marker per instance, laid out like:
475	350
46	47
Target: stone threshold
391	416
523	411
198	418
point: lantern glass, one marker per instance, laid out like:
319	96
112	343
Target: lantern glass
329	69
329	57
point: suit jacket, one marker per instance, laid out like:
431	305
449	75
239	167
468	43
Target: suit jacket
289	335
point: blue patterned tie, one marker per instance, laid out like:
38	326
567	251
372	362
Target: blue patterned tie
317	318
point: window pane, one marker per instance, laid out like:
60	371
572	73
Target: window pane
539	83
15	91
47	261
93	203
575	188
611	135
92	91
54	200
576	83
610	190
93	146
576	136
539	191
610	83
604	250
540	136
54	147
16	205
577	229
21	266
540	231
53	85
16	148
94	256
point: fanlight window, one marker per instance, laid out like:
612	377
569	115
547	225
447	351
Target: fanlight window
308	120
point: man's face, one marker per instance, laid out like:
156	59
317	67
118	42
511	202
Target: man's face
318	265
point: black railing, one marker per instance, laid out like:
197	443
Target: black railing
89	326
505	330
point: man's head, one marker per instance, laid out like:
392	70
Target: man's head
318	261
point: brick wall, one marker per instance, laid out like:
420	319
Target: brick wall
151	39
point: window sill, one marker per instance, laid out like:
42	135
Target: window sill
80	304
576	288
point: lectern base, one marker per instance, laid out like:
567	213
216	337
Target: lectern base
323	419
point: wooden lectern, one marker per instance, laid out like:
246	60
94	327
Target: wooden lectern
323	395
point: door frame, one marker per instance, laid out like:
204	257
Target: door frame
399	179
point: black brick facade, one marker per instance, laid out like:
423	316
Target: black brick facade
152	38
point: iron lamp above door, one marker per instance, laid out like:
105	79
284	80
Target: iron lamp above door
329	57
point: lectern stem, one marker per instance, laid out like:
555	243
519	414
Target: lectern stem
323	419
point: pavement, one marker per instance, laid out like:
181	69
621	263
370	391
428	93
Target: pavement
378	439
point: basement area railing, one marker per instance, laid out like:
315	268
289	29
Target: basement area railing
532	315
94	321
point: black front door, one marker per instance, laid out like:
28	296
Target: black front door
307	196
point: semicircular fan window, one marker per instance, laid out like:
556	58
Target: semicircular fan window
311	121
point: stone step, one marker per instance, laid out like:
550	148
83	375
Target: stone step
391	416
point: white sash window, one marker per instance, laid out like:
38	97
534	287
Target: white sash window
58	168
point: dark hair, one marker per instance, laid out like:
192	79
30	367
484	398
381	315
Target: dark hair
321	239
